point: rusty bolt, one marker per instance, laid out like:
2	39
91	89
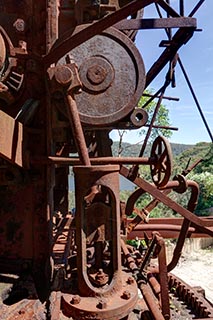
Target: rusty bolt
19	24
75	299
63	75
21	311
126	295
22	45
102	304
101	277
130	280
96	74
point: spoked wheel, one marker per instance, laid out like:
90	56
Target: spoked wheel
162	167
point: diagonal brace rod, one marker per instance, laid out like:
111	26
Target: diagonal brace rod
96	28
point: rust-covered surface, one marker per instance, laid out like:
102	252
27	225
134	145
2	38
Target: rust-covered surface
69	74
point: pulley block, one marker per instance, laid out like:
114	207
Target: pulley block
113	77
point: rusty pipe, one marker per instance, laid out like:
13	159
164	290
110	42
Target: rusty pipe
151	301
185	226
163	275
94	161
167	189
77	129
152	227
79	138
186	223
160	251
133	198
163	270
154	283
130	260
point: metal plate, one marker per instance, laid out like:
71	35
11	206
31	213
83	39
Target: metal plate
113	77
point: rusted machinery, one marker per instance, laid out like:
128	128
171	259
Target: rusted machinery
69	74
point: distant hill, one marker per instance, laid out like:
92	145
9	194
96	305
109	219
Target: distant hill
133	150
201	150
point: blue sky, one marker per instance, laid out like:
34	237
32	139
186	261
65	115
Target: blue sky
197	58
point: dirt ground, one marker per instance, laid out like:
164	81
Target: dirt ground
196	268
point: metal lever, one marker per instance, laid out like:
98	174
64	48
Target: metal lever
79	139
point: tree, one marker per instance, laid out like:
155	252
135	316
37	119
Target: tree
205	202
207	163
162	118
121	134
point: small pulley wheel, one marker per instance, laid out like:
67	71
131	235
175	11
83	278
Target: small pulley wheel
139	117
161	154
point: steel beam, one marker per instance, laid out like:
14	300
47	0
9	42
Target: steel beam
136	24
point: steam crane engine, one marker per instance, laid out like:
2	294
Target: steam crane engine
69	74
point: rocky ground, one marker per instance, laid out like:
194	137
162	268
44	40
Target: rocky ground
196	269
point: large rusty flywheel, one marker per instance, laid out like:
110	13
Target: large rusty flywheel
113	77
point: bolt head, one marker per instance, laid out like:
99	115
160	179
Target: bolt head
130	280
96	74
75	299
126	295
19	25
